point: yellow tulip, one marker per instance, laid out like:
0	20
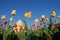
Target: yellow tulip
11	19
58	16
36	20
3	17
28	14
13	12
43	17
53	14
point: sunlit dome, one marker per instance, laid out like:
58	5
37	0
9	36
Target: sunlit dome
19	23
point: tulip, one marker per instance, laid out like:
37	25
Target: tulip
38	27
3	17
11	19
13	12
55	26
0	24
15	25
34	25
5	22
46	19
36	20
59	24
28	14
41	20
53	14
20	28
43	17
16	29
58	16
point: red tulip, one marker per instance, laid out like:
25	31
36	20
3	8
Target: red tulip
5	22
34	25
15	25
20	28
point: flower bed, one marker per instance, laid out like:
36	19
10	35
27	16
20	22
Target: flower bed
20	31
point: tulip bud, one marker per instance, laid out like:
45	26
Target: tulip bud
20	27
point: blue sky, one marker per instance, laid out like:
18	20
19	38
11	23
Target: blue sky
38	8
